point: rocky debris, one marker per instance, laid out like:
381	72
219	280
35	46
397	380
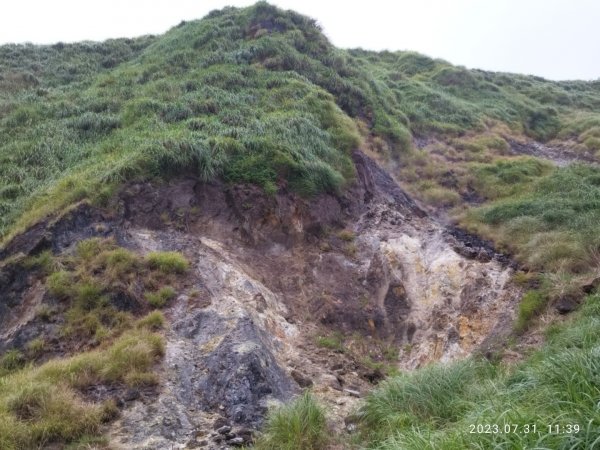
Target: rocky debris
473	247
352	392
221	368
559	155
378	183
351	423
234	437
302	380
225	429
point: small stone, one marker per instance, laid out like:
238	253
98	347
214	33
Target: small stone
331	381
591	285
224	429
246	434
567	304
236	442
219	422
352	392
192	444
131	394
350	423
301	379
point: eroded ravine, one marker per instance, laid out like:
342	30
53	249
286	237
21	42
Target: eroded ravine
245	341
268	275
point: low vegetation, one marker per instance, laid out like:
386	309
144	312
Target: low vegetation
104	286
553	223
249	95
101	320
531	304
44	405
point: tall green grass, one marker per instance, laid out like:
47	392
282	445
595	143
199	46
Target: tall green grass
551	222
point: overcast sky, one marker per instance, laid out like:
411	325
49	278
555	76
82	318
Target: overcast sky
557	39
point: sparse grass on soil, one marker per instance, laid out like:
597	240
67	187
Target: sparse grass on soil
43	405
105	286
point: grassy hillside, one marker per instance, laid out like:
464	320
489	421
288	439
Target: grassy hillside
259	95
255	94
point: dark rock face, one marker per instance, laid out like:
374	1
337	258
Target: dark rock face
13	282
242	211
397	307
239	374
59	233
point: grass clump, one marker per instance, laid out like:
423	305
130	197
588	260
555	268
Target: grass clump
153	321
161	297
347	235
167	262
553	224
531	304
332	342
60	284
11	361
300	425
